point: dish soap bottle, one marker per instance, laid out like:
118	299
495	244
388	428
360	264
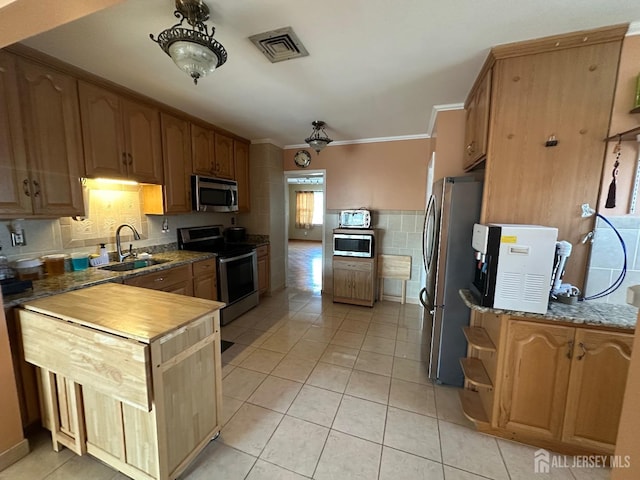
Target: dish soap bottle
104	256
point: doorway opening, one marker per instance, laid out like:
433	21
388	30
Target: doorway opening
305	207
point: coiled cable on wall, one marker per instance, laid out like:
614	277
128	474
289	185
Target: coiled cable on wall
618	281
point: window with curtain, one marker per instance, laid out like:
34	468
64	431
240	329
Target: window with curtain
308	209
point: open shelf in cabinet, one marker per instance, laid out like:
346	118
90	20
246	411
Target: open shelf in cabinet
475	373
472	407
479	339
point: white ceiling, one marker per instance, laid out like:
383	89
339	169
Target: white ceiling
376	68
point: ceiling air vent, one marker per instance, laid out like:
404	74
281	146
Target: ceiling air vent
279	45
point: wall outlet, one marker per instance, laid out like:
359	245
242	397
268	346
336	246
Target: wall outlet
18	239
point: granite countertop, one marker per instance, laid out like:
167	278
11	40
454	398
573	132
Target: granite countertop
70	281
585	313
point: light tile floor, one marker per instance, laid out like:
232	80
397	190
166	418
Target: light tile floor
314	389
304	398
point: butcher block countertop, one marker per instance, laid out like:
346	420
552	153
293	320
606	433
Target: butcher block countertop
137	313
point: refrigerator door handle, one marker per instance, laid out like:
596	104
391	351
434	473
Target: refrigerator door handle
426	301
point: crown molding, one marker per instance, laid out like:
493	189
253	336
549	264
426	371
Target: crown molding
364	140
441	108
634	29
266	140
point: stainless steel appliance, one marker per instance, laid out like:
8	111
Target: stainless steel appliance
213	194
237	268
451	212
359	218
353	243
513	265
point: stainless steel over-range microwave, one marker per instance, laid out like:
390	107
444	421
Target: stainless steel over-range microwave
213	194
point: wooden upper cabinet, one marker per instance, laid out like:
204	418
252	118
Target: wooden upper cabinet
225	165
102	133
477	122
241	156
203	150
176	156
535	379
143	140
596	389
50	112
13	158
121	137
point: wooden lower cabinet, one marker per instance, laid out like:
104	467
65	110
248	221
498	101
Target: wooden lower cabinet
596	388
536	374
354	280
555	386
205	281
264	269
172	280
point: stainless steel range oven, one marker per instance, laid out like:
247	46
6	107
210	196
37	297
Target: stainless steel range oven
237	268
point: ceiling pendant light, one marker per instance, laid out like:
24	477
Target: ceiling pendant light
318	139
193	50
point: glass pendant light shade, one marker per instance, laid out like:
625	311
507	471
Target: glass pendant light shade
318	138
317	145
193	58
194	50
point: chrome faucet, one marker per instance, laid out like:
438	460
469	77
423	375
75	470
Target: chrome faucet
136	236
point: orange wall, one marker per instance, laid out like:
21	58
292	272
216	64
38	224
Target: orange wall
378	176
10	423
449	144
22	19
622	120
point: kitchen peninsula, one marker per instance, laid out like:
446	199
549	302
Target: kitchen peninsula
129	375
553	380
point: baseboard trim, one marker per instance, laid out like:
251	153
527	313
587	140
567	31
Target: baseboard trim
13	454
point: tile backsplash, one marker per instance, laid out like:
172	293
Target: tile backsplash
107	208
607	258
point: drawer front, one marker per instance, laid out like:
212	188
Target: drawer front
262	251
116	366
205	267
366	266
162	279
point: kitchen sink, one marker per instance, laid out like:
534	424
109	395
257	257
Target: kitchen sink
133	265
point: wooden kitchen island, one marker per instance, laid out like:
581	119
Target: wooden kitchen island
553	380
129	375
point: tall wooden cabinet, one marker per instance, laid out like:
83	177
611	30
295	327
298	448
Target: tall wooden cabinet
121	137
550	102
203	150
224	164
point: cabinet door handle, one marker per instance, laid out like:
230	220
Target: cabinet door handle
130	162
25	187
36	186
159	279
124	158
570	350
584	351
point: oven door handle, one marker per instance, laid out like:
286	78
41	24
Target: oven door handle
239	257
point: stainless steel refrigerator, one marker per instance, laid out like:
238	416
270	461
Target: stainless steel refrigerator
448	259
